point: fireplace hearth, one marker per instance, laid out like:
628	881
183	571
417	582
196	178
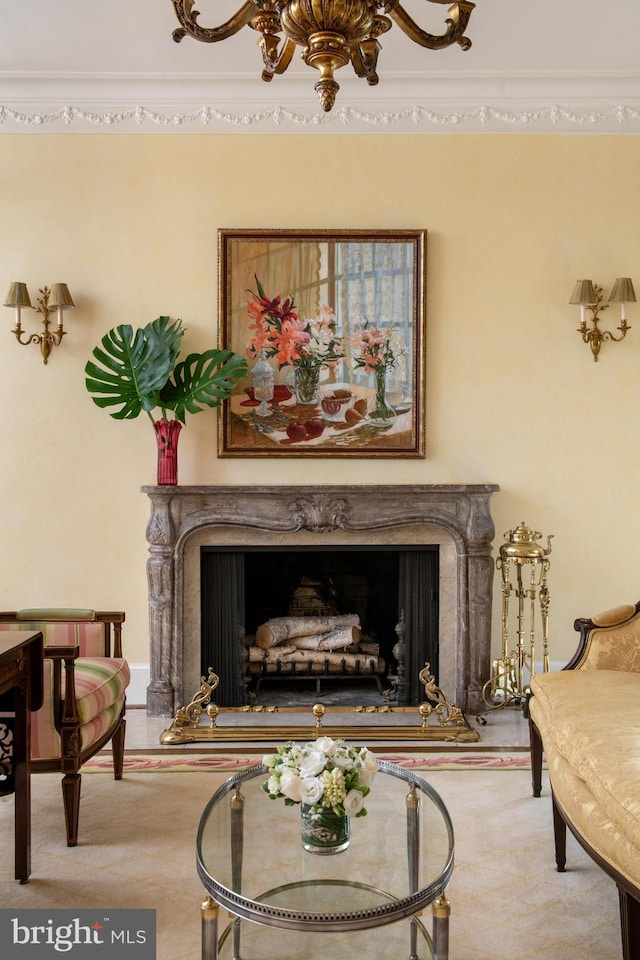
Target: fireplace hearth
454	517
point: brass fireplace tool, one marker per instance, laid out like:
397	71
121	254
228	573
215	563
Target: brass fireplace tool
508	684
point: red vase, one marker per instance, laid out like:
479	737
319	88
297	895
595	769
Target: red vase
167	433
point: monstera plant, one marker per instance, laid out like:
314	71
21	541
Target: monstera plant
138	370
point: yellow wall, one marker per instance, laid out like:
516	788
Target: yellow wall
513	396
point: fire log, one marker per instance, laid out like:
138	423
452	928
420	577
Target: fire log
337	639
279	629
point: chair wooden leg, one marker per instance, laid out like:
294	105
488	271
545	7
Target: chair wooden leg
560	838
117	749
71	800
630	924
536	759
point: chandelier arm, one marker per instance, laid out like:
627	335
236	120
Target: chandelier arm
457	21
276	63
364	59
188	18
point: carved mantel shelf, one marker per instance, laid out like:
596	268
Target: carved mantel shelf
184	517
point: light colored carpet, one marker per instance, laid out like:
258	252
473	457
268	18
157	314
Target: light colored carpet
137	849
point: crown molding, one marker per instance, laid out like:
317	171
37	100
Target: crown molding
437	103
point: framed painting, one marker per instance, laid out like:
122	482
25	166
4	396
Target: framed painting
332	323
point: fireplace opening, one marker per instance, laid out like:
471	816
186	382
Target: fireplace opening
293	625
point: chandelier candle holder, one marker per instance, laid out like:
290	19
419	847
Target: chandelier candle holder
588	296
57	299
330	33
521	550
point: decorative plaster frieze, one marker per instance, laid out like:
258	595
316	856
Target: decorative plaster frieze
487	119
424	103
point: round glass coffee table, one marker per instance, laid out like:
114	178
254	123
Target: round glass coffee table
252	863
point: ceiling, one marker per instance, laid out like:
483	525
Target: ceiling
112	66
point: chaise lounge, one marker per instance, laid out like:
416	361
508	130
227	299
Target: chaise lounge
586	720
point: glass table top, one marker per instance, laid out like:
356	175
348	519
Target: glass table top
251	860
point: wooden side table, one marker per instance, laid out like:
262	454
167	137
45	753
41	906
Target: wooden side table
21	672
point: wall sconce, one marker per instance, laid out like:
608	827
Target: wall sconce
57	299
586	294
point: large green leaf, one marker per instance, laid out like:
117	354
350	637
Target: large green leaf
134	368
202	380
168	332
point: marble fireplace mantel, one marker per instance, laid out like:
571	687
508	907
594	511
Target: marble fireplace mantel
184	518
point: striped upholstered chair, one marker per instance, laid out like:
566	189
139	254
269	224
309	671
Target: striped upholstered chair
85	679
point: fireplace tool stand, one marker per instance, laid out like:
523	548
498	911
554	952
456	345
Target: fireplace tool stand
508	685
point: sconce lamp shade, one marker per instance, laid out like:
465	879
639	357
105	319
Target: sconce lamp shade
60	296
583	293
623	291
18	296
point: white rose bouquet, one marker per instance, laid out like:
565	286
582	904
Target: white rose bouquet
326	774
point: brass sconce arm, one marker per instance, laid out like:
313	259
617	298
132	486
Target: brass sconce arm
57	299
595	336
589	296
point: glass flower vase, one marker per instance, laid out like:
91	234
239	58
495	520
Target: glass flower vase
382	413
167	433
323	831
305	383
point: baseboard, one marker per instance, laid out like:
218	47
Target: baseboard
137	689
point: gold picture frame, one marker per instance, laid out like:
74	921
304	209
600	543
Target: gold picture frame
333	325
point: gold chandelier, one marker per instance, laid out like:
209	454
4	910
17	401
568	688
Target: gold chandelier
331	33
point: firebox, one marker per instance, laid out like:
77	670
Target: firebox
277	623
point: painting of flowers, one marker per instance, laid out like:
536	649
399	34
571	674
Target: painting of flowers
332	325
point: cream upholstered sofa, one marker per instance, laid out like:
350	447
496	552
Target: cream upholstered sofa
85	681
586	720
